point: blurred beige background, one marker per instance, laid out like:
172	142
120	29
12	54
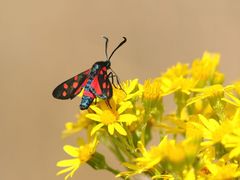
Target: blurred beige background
43	42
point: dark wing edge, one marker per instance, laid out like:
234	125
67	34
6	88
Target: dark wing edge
71	87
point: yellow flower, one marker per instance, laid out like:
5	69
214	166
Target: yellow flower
72	128
132	88
148	160
112	118
218	78
232	141
152	90
212	130
237	87
180	70
172	124
204	69
214	91
182	152
80	155
234	100
222	170
169	86
189	174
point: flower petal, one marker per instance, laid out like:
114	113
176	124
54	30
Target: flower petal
72	151
93	117
96	109
96	128
111	129
68	162
132	85
124	106
65	170
120	129
128	118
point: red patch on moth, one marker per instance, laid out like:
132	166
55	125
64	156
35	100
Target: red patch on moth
75	85
108	93
108	86
104	85
89	94
65	86
101	72
96	86
104	68
76	78
105	76
64	93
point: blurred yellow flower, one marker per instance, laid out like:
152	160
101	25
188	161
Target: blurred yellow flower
222	170
132	89
80	155
212	130
214	91
232	141
147	161
203	69
180	70
74	127
152	90
237	88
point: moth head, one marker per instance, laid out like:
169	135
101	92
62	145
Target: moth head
108	64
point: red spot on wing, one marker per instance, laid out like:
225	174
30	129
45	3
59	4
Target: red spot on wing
104	85
101	72
64	93
65	86
105	76
75	77
75	85
104	68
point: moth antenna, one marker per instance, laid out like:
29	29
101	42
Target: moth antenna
124	40
106	46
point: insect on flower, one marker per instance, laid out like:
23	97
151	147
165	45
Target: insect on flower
95	82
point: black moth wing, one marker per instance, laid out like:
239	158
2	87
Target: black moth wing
71	87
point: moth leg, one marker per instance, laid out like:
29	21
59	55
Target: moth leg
111	75
117	79
119	84
95	101
108	103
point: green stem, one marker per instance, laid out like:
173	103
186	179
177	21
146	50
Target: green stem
114	171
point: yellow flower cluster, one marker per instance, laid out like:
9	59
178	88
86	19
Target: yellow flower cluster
198	139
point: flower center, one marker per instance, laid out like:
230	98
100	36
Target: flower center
85	153
108	117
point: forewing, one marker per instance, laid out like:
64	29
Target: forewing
101	86
71	87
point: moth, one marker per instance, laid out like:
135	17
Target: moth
95	82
